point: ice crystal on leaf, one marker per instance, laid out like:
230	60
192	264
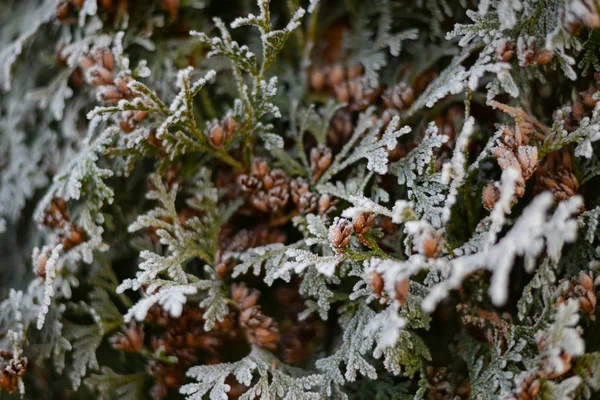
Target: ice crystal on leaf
409	168
273	379
196	239
526	238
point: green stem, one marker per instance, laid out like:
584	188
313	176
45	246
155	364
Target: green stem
372	244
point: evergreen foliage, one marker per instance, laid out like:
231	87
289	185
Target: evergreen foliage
299	199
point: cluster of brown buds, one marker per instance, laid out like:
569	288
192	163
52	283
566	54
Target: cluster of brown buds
584	290
437	383
340	234
347	84
131	339
396	99
307	201
580	13
57	218
439	387
258	328
99	68
556	174
528	389
219	132
512	153
181	339
529	54
11	370
320	159
362	223
401	288
267	189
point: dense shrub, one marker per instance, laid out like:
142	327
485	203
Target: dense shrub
388	199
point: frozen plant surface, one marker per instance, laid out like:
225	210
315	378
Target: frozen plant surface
299	199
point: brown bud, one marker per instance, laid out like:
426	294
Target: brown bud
126	126
221	270
260	202
277	198
111	96
139	116
356	89
238	292
362	223
77	79
340	233
528	159
274	178
62	10
325	204
298	187
336	75
376	282
544	57
578	111
589	100
520	186
490	196
320	159
41	265
229	126
216	136
505	50
354	71
249	300
342	93
102	76
506	158
76	235
317	80
534	389
307	203
588	303
108	61
130	340
259	168
402	287
586	280
511	138
432	245
86	63
122	85
249	184
400	97
171	6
